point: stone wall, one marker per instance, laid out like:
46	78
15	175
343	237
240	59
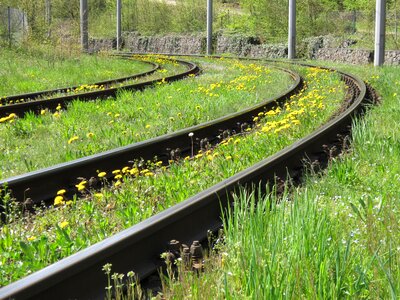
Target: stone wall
179	44
345	55
392	57
320	48
248	47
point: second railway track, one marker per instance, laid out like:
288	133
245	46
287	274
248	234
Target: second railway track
138	248
35	102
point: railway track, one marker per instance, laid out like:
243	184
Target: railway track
138	248
37	101
64	176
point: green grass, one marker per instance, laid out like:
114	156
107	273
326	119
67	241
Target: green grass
36	142
337	236
33	242
23	72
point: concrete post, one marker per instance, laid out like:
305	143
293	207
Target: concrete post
119	18
380	23
9	25
84	25
209	26
292	30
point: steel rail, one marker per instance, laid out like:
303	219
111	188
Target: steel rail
35	95
138	248
37	105
42	185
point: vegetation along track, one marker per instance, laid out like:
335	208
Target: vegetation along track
45	99
139	247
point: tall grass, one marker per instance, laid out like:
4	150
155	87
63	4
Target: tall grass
337	236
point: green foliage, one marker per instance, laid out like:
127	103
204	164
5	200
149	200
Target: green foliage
128	200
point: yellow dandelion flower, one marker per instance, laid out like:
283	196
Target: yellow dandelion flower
63	224
125	170
118	183
90	134
115	172
98	195
61	192
42	112
74	138
149	174
59	200
119	176
102	174
31	238
148	126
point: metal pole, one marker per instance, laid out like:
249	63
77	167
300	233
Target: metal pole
292	30
209	26
380	21
48	18
9	25
84	25
119	17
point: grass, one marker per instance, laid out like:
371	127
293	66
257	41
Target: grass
29	144
24	72
32	242
337	236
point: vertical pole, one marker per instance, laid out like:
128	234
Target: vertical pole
119	17
48	17
209	26
292	30
380	20
84	25
9	25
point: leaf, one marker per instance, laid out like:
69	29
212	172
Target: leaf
357	211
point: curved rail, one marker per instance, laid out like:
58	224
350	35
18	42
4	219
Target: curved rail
138	248
64	176
36	106
35	95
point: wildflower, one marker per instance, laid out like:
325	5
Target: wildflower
125	170
191	134
31	238
159	163
115	172
118	183
149	174
63	224
102	174
42	112
134	171
148	126
59	200
58	107
228	157
99	195
90	134
119	176
61	192
69	202
71	140
81	186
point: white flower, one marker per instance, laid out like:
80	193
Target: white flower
191	134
